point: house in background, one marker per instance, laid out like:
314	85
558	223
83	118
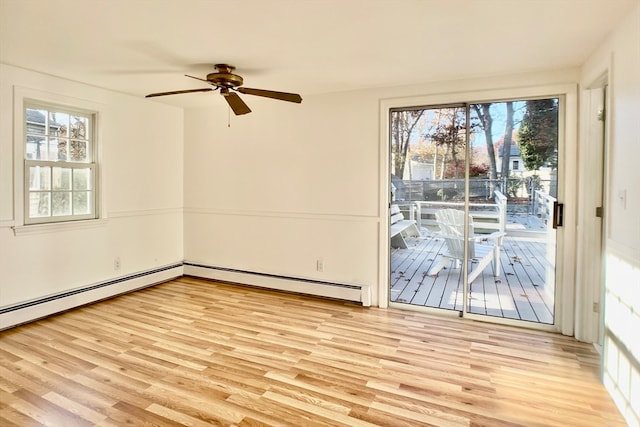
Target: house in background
418	170
185	188
515	160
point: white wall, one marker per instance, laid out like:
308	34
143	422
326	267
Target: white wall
620	58
285	186
141	175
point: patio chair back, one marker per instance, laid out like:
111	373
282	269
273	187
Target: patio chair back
451	222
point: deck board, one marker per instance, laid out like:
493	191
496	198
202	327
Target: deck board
523	256
518	293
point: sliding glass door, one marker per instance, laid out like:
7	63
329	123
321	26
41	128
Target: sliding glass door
479	181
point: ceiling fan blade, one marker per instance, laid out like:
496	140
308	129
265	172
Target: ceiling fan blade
282	96
198	78
178	92
236	103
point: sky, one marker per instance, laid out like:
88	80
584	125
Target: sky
498	113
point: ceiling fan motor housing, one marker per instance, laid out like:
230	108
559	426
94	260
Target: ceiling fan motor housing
224	77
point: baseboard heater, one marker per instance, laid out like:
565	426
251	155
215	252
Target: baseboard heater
17	314
357	293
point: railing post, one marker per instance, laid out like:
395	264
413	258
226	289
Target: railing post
501	202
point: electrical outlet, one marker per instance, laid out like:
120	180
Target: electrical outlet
320	265
116	263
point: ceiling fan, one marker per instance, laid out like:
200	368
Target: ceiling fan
229	84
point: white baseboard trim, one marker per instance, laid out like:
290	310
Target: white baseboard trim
36	309
357	293
29	311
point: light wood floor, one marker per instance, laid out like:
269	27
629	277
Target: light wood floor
198	353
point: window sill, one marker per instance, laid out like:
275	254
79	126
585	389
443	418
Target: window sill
58	227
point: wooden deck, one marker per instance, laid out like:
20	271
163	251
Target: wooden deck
521	292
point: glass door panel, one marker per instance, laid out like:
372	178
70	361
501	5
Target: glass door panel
428	153
517	143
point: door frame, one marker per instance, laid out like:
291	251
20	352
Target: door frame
567	192
591	257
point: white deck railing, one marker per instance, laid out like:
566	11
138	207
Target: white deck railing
543	207
486	216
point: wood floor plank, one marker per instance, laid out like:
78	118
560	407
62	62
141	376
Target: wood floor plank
197	352
82	411
44	411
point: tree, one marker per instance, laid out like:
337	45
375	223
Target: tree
486	122
506	148
450	133
402	127
508	138
538	135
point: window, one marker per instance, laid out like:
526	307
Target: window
60	168
516	165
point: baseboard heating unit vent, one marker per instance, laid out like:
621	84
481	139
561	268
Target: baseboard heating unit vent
17	314
357	293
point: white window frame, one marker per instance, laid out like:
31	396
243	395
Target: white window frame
91	164
73	100
57	218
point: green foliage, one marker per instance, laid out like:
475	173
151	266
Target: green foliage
513	185
538	135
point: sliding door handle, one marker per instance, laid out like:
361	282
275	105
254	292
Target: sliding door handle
558	214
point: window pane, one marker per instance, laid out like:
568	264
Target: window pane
78	151
39	205
59	149
36	146
428	149
52	151
39	178
61	178
61	203
36	121
79	127
81	202
58	124
82	179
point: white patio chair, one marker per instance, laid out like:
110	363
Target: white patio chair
451	223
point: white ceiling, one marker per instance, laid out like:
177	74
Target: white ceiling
304	46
